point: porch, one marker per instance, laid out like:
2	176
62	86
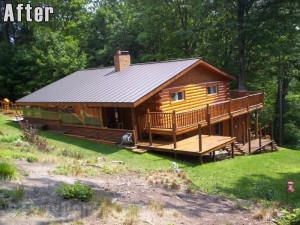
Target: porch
176	123
195	145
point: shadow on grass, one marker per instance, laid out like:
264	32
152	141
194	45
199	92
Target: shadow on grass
262	187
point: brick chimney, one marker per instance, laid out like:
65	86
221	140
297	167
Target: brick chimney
122	60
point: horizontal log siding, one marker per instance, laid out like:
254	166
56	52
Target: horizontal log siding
195	96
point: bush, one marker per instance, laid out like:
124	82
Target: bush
291	218
67	152
30	134
14	195
7	171
31	159
77	190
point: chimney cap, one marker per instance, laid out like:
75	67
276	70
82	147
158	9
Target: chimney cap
119	52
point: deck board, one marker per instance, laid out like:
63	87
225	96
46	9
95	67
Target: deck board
255	145
191	145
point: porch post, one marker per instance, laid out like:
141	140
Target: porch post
256	124
200	137
149	126
134	125
232	150
259	133
249	141
208	125
243	133
174	128
231	126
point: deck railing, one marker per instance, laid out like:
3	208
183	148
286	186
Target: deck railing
185	119
190	118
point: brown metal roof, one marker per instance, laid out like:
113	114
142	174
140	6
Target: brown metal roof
105	85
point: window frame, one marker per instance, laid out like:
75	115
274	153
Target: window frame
176	93
210	87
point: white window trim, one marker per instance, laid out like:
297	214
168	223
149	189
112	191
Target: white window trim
176	93
211	87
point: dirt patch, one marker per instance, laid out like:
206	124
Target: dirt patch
139	200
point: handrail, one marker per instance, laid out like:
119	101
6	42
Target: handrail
164	120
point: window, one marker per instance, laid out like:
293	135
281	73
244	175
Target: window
212	90
177	96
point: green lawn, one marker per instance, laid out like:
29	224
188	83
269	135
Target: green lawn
256	177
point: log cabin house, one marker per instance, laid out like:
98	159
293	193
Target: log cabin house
157	102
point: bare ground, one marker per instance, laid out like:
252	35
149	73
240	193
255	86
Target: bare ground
42	205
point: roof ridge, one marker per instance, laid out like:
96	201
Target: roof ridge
99	68
144	63
172	60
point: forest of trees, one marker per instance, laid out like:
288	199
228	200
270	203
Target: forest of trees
258	41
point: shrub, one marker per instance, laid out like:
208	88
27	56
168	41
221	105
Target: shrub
31	159
132	215
291	218
67	152
7	171
30	134
77	190
14	195
3	204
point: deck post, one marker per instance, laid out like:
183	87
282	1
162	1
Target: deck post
174	128
134	125
208	124
247	102
231	126
201	159
174	134
149	127
214	155
256	124
259	134
243	133
200	137
249	137
232	150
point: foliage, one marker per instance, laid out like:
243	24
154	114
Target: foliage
7	171
291	218
67	152
132	215
31	159
30	134
77	190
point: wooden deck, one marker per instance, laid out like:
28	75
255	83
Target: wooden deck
190	146
255	147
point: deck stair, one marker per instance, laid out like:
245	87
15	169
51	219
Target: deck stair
237	149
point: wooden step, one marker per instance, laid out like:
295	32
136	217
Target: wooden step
140	151
73	135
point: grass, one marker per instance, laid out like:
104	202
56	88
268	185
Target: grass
257	177
7	196
77	190
7	171
132	215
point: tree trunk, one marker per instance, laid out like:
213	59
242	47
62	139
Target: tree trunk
281	104
241	44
